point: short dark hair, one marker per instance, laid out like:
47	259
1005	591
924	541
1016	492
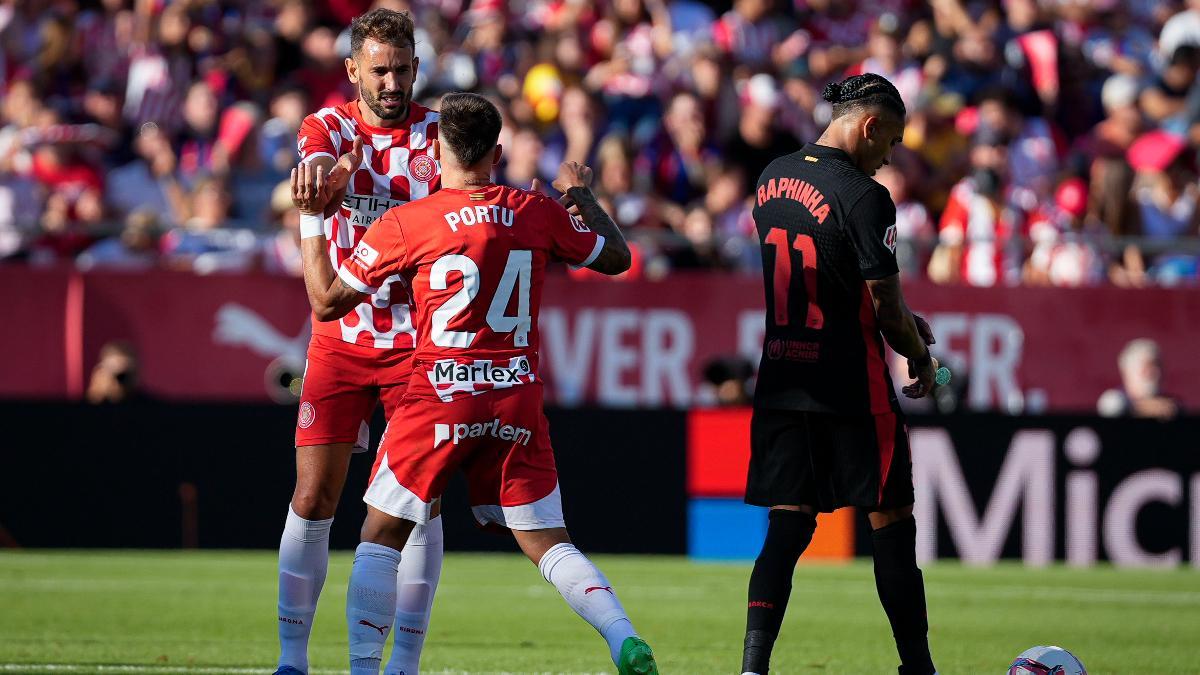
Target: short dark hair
469	126
864	91
382	25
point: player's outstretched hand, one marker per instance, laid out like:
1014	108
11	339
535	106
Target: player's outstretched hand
924	331
923	371
310	189
347	164
572	174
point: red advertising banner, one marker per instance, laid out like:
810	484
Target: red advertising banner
34	343
214	337
620	344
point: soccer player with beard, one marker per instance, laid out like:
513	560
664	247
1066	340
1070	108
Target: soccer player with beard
475	256
827	431
357	361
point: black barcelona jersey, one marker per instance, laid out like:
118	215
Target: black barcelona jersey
825	228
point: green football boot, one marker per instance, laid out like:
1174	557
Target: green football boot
636	658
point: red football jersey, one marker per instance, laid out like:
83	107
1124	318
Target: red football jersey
474	261
396	169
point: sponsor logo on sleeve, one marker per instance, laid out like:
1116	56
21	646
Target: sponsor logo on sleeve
364	256
889	238
579	225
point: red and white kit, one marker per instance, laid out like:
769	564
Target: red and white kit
363	358
475	261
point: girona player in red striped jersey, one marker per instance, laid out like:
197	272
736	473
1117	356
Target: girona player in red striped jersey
474	256
376	149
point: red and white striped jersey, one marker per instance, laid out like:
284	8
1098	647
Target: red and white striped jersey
475	261
396	169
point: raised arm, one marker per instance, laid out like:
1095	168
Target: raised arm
317	196
574	180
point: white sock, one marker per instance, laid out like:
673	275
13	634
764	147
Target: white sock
370	605
588	593
420	569
303	562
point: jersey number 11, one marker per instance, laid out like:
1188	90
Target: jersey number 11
807	252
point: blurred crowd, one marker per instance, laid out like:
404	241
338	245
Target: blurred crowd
1050	142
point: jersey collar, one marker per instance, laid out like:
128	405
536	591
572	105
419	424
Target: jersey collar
825	152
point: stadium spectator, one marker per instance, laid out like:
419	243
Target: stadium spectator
277	138
1168	200
1032	149
521	163
915	231
136	248
150	179
886	57
1165	101
115	377
493	56
1065	250
205	242
747	33
1141	393
630	42
574	138
758	140
323	76
679	159
281	251
983	220
614	174
1181	29
696	245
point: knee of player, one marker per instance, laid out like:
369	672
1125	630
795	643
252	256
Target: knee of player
886	517
386	530
314	502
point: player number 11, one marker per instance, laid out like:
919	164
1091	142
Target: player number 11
778	237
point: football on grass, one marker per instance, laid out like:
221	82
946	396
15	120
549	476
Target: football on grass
1043	660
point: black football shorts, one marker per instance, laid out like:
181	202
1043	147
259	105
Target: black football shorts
829	461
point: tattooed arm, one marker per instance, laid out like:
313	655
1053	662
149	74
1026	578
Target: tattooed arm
573	181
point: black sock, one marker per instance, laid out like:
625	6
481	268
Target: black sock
788	534
902	593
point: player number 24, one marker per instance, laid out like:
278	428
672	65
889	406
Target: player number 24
515	279
778	237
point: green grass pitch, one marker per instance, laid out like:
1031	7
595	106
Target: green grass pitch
213	612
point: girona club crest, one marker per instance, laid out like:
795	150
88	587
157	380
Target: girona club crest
422	168
308	414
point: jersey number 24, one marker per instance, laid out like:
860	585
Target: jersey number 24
806	250
515	279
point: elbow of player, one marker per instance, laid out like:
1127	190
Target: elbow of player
623	261
326	312
621	258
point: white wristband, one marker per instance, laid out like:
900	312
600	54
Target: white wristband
311	226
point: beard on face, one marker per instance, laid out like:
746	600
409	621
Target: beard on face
376	105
